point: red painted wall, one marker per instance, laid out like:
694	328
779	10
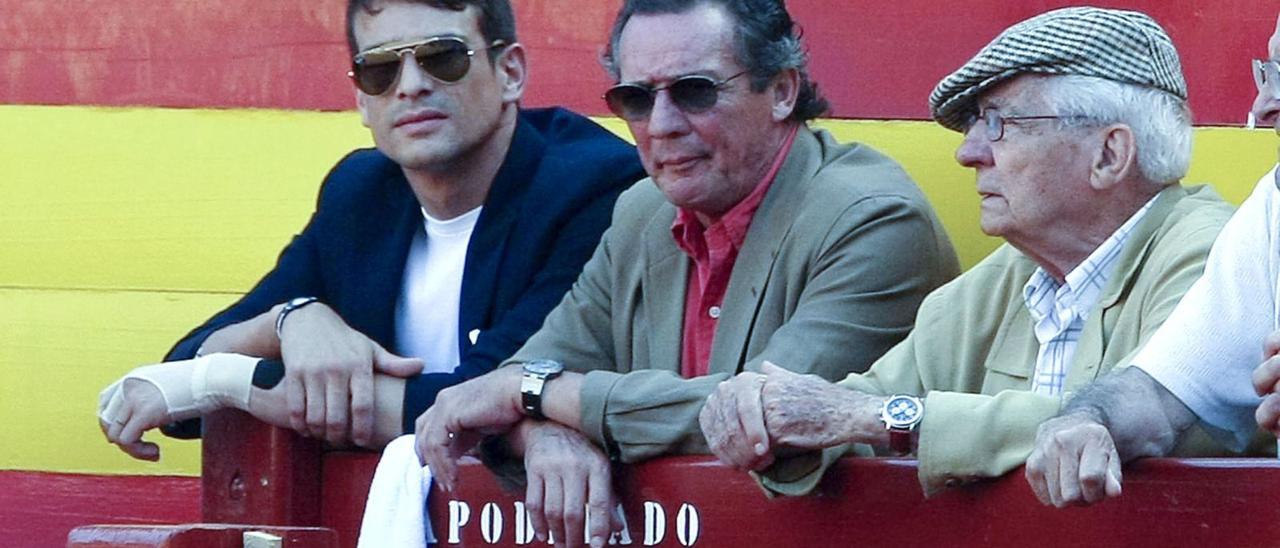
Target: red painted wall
39	509
874	59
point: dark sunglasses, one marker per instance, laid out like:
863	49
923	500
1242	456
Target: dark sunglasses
445	58
691	94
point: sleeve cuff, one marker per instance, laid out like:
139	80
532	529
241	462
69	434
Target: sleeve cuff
799	475
967	437
594	400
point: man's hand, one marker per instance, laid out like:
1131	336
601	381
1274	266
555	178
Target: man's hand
329	375
128	408
567	473
733	423
1074	462
461	415
1266	382
749	418
807	412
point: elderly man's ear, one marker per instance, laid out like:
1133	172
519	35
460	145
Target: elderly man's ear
1115	159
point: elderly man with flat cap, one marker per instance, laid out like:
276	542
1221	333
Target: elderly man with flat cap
1077	127
1201	366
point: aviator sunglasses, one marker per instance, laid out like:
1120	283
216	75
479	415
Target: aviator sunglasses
445	58
1266	75
691	94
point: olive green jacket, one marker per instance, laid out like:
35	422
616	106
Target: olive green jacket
836	261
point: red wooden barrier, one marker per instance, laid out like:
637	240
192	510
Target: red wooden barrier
38	509
694	501
194	536
255	473
877	502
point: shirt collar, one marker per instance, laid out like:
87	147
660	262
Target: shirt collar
1083	285
737	220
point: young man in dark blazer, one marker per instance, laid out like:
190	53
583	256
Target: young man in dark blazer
428	259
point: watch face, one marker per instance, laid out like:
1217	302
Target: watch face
902	411
543	367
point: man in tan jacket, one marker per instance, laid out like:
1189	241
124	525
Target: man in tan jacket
1076	125
755	238
1201	367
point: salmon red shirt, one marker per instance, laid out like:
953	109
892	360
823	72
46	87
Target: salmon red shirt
714	249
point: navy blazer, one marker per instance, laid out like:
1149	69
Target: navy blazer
545	212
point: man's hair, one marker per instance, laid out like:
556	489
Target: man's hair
497	21
1161	122
766	42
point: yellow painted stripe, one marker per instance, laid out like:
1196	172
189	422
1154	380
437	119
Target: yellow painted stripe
122	228
58	348
189	200
1231	159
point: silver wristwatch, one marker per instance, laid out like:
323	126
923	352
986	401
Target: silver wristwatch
536	375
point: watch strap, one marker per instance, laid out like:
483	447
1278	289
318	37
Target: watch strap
900	441
289	308
531	395
532	383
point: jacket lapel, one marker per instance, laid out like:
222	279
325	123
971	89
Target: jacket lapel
663	294
1097	330
387	260
493	229
759	254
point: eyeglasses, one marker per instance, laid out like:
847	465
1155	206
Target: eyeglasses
691	94
993	122
1266	75
444	58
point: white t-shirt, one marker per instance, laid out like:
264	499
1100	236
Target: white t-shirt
430	295
1205	353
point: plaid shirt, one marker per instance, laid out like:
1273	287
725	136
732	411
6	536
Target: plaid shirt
1060	310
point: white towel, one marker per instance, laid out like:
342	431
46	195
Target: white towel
395	514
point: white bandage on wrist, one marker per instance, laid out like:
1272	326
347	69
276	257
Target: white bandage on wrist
190	388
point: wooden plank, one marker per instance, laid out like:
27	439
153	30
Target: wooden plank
873	59
346	476
695	501
202	535
256	473
39	509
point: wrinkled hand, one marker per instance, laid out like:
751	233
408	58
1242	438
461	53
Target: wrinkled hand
733	423
128	408
462	415
807	412
1074	462
568	473
1266	382
329	375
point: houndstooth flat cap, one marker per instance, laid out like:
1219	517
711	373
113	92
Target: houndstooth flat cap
1125	46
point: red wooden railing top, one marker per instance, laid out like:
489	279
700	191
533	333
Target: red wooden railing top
694	501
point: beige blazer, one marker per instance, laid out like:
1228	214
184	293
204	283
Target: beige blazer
973	355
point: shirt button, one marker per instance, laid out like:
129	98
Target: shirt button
714	312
